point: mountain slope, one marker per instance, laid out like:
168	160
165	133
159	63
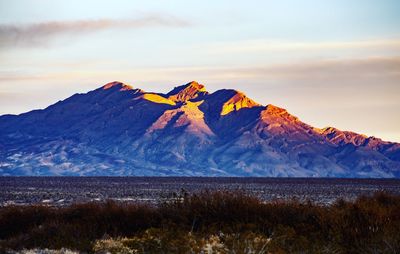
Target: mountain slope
119	130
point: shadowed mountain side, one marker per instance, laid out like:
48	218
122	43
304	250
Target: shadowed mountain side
119	130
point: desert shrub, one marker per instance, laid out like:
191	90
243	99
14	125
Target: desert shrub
44	251
161	241
222	221
18	219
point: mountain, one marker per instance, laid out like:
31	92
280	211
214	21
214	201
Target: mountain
120	130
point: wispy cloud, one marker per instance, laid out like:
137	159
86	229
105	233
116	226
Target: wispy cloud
347	69
321	71
258	46
37	34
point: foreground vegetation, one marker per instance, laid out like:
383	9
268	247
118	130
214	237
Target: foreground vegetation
217	222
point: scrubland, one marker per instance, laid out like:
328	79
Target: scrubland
206	222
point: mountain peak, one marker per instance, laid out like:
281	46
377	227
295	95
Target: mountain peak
187	92
238	101
278	116
117	86
275	110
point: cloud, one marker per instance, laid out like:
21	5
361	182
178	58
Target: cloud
257	46
317	71
337	69
38	34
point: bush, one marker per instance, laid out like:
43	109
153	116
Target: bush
225	222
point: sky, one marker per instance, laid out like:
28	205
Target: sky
330	63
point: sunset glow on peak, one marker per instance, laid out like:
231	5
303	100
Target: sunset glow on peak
187	92
337	136
116	84
275	110
157	98
237	102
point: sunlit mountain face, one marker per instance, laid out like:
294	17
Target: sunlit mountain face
120	130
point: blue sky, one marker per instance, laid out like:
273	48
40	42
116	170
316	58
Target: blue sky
331	63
